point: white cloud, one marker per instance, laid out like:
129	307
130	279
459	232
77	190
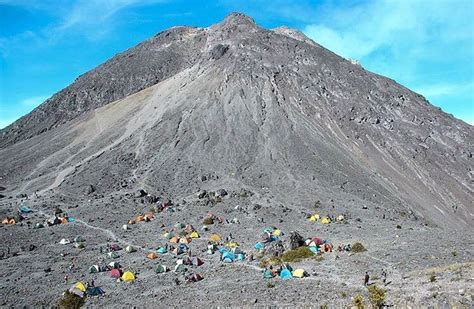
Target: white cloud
33	101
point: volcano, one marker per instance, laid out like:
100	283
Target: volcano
283	125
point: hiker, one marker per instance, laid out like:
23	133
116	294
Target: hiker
92	283
176	281
65	278
366	279
384	276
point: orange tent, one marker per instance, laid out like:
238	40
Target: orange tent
63	220
152	255
174	240
140	218
131	221
215	238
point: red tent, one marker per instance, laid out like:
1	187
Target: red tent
116	273
317	241
197	261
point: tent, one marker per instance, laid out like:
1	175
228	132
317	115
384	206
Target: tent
267	274
236	250
125	227
232	244
113	265
94	269
39	225
116	273
64	241
277	232
79	245
325	220
128	276
215	238
314	218
162	250
174	240
340	218
194	235
113	255
285	274
168	235
197	261
314	249
24	209
184	240
184	261
177	251
95	291
299	273
115	247
151	256
180	268
194	278
80	286
259	246
130	249
189	228
228	257
316	242
205	228
179	226
241	256
161	269
79	239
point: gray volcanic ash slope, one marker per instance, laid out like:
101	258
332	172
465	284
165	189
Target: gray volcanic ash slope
257	108
279	122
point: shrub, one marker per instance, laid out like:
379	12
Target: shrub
318	258
297	254
344	295
358	301
270	262
208	221
270	285
376	296
70	301
358	247
432	278
454	253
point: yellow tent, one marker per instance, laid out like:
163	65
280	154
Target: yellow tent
232	244
174	240
340	218
215	238
80	286
194	235
314	218
128	276
276	232
325	220
299	273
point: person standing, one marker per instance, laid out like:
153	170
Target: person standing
366	279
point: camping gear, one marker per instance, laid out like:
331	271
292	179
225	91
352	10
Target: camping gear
94	269
39	225
286	274
79	245
115	247
277	233
78	289
215	237
194	278
184	240
232	244
299	273
95	291
151	256
174	240
116	273
130	249
112	255
162	250
325	220
340	218
70	219
79	239
25	209
161	269
194	235
113	265
267	274
314	218
180	268
179	226
259	246
128	276
125	227
64	241
228	257
197	261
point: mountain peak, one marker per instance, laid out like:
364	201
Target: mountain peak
235	19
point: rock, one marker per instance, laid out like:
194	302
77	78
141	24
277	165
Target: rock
90	189
31	247
140	193
202	194
221	193
274	249
203	178
47	270
296	240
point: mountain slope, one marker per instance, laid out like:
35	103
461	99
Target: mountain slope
247	108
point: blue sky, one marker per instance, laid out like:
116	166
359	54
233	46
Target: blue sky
427	46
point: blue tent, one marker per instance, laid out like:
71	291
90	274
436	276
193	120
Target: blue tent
285	274
314	249
259	246
95	291
24	210
228	257
162	250
241	256
267	274
223	250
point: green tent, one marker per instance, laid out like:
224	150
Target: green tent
161	269
94	269
180	268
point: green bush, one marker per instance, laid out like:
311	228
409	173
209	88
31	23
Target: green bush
70	301
376	296
344	294
270	285
297	254
358	247
358	301
208	221
270	262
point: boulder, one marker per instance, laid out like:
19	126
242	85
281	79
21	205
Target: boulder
296	240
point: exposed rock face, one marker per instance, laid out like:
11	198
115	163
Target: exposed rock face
266	110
